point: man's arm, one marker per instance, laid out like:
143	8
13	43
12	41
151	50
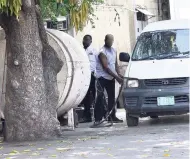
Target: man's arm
104	62
117	69
117	66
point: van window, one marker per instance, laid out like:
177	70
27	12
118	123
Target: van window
162	45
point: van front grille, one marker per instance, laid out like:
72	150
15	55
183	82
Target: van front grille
165	82
131	101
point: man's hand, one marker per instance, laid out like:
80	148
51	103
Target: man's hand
120	75
119	80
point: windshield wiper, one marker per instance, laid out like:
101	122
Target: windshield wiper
146	58
153	57
173	54
162	56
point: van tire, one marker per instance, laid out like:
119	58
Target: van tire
132	121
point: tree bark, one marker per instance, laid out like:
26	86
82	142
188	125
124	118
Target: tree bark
31	85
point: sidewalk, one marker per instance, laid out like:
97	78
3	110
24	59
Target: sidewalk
152	140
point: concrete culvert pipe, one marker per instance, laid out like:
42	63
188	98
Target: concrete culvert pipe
74	77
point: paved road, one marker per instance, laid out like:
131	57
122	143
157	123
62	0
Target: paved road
167	137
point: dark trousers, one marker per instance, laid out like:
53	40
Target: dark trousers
3	126
109	86
89	98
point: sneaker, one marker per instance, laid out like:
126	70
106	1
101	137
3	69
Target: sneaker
115	120
100	124
97	123
86	120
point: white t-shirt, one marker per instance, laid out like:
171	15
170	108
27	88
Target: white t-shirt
110	53
91	52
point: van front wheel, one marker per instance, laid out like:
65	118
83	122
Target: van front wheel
132	121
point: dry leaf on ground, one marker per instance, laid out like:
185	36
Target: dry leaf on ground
166	155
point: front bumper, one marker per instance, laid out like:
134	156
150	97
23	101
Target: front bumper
143	102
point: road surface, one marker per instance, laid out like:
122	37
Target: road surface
166	137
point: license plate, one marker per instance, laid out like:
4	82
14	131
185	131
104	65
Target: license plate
165	101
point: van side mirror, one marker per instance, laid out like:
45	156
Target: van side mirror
124	57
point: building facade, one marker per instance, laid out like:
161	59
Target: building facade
125	19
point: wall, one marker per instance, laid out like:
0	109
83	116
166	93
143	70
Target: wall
151	6
125	34
105	24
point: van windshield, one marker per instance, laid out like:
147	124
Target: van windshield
162	45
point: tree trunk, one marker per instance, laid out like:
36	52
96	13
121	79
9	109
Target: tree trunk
31	85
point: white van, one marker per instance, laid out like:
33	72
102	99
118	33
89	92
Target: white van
157	78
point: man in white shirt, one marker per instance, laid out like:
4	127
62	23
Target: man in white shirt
90	96
106	72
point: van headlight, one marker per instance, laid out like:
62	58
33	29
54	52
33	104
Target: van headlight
132	83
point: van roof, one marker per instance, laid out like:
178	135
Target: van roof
167	25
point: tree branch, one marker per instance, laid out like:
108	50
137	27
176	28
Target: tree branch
42	30
27	5
56	62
